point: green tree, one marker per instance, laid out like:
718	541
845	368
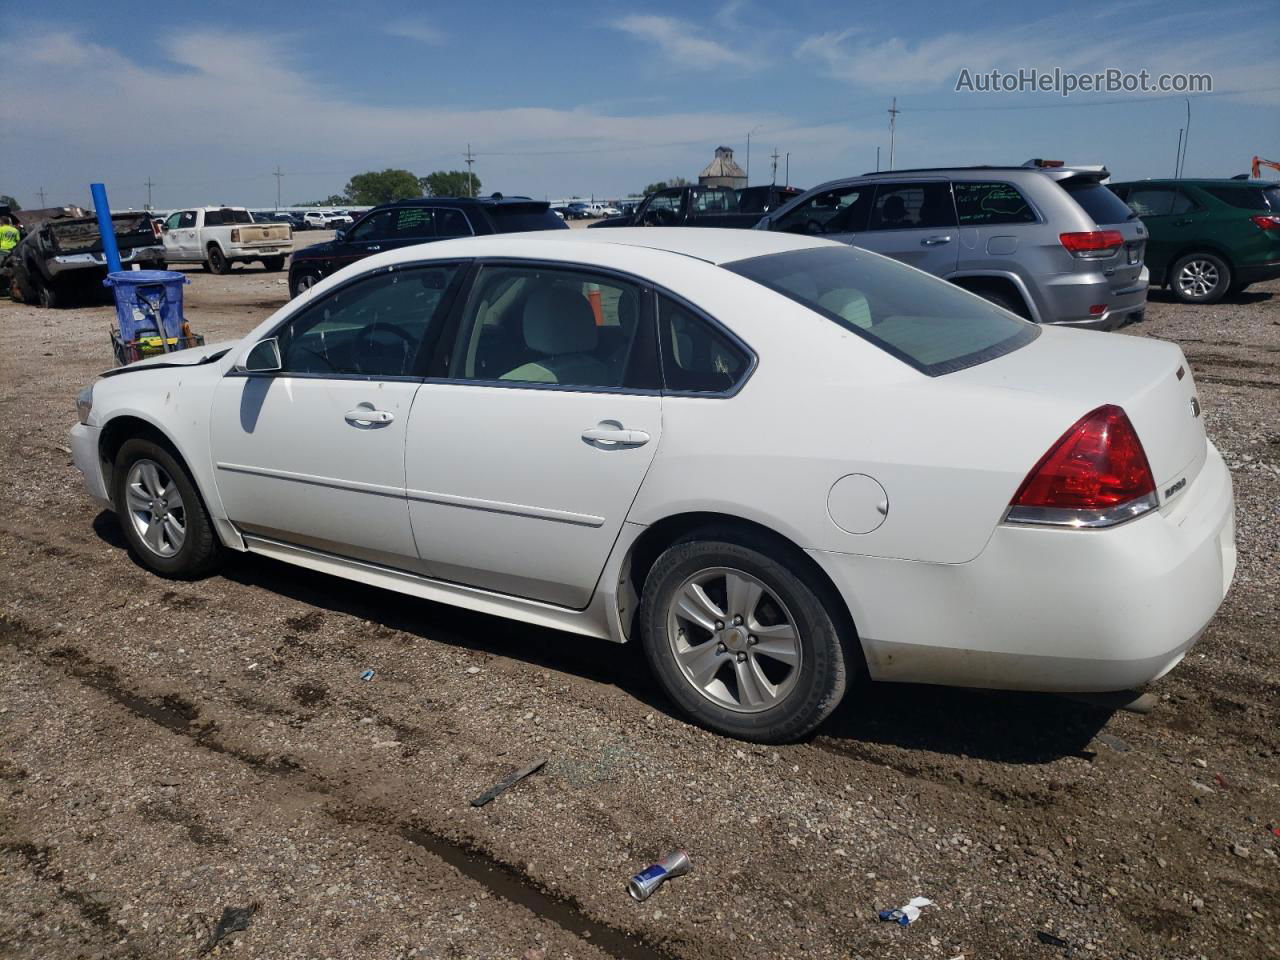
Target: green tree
451	183
665	184
8	201
373	188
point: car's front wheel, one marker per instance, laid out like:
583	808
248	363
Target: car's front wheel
741	639
1200	278
162	515
302	281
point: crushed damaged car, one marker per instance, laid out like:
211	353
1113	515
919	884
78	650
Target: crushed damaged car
60	259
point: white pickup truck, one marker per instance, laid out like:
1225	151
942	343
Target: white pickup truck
221	236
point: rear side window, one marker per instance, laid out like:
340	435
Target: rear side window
985	204
925	322
696	356
516	218
1245	198
213	218
910	206
842	210
1098	202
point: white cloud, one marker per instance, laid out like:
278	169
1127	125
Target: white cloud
211	128
418	30
682	43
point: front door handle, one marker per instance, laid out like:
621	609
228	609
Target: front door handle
365	414
934	241
610	433
373	246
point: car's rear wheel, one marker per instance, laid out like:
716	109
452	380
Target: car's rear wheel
21	289
273	264
50	298
163	518
1200	278
218	263
302	281
741	640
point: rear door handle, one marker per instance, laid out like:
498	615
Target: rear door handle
363	415
934	241
373	246
611	433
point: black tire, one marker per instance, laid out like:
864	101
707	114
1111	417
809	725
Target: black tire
21	289
51	298
200	551
825	664
217	261
1200	278
1003	300
302	280
273	264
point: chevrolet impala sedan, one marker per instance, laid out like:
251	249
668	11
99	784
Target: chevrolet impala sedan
775	461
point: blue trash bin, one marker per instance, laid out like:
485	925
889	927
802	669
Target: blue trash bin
147	300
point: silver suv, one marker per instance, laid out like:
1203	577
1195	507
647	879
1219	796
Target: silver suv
1049	243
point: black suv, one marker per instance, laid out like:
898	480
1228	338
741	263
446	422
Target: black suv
421	220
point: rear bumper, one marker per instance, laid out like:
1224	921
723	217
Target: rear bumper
84	454
1258	272
256	252
1052	609
64	263
1069	298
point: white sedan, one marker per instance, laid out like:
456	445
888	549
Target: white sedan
776	461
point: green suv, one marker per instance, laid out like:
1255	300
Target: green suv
1208	237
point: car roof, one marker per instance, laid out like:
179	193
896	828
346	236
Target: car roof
1200	182
709	244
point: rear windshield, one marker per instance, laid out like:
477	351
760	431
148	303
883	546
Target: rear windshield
1098	202
923	321
516	219
1248	198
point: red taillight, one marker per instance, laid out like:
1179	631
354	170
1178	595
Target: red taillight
1097	465
1266	221
156	229
1092	243
235	236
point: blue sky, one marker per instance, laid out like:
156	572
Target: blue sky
600	98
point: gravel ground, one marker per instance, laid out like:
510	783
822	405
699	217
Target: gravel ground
174	749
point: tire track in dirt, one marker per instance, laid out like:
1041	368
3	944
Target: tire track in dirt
179	715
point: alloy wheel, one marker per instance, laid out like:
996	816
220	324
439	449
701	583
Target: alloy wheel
1197	278
734	640
156	508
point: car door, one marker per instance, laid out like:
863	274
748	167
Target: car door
180	235
1171	219
313	453
525	454
840	213
915	221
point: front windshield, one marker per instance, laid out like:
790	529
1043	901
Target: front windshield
928	323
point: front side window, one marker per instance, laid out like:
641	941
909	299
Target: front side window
1152	201
376	226
923	321
987	204
911	206
664	208
373	327
842	210
187	218
696	357
547	326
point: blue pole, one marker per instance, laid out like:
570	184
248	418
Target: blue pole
105	226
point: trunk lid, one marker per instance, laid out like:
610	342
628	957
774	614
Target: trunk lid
84	236
1080	370
255	233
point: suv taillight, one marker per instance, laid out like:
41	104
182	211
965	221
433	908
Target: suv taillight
157	229
1267	221
235	236
1096	475
1092	244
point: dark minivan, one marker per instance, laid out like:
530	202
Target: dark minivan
1209	238
421	220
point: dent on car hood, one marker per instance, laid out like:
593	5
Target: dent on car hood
191	357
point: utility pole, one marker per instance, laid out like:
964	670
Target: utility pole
788	175
41	193
471	177
749	133
893	123
775	155
877	159
279	175
149	185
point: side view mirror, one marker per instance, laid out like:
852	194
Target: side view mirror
341	235
263	358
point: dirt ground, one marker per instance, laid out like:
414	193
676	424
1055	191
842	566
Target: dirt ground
174	749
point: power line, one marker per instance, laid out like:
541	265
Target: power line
1088	103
